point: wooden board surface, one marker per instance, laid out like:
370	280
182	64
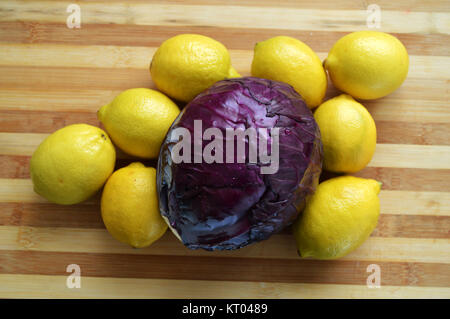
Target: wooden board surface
52	76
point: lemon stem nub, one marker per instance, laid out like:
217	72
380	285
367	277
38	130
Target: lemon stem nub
101	112
232	73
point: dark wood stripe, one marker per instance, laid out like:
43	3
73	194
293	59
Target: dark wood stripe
413	226
223	269
14	166
43	121
412	179
391	132
232	38
43	78
51	215
88	216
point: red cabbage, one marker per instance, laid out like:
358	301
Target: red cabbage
230	205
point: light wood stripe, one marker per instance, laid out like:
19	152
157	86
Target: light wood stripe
64	55
415	203
11	144
68	100
404	109
233	38
417	6
73	100
97	56
392	178
395	202
40	286
56	78
281	246
21	121
404	179
20	144
412	156
386	155
228	16
14	190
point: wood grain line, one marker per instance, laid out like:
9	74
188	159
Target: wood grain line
396	202
98	56
43	78
88	216
84	101
410	226
18	166
411	156
50	121
403	109
232	37
224	269
412	133
415	5
228	16
414	203
51	215
388	132
386	155
280	246
41	286
64	78
407	179
14	190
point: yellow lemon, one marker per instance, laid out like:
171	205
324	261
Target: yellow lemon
291	61
72	164
138	119
187	64
338	217
349	135
367	64
129	206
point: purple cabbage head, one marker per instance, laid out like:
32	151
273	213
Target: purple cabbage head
230	205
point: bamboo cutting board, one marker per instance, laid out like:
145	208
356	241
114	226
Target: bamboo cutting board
52	76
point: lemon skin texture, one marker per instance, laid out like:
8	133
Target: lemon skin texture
338	217
187	64
129	206
367	64
291	61
138	119
348	132
72	164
